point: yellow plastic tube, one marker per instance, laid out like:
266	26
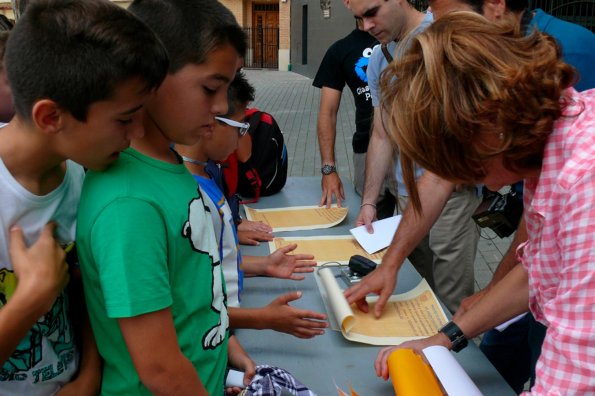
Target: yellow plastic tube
411	376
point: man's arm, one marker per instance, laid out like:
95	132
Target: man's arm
434	193
153	345
330	100
379	161
509	261
41	273
508	298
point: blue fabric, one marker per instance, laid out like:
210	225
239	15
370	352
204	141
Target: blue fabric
577	42
514	351
214	170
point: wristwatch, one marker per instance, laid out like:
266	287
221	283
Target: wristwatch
455	335
327	169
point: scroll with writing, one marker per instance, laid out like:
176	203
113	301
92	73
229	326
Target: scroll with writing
298	218
326	248
408	316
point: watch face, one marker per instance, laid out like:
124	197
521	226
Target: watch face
328	169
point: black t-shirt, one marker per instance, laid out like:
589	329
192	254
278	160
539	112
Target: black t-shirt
346	62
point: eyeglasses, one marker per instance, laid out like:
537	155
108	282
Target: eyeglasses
242	126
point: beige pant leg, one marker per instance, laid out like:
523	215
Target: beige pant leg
359	172
453	240
422	257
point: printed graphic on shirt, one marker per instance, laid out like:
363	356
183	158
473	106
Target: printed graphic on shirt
203	240
362	64
52	327
8	283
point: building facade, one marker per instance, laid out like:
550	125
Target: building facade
266	22
316	24
295	34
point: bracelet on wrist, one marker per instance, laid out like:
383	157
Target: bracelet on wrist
367	204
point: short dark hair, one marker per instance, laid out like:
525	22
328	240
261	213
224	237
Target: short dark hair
77	52
240	92
3	39
190	30
511	5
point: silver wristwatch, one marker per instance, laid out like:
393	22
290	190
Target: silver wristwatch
327	169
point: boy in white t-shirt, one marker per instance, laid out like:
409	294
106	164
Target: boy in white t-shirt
77	86
278	315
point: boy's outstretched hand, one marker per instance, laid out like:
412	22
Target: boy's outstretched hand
281	264
301	323
254	232
249	225
253	238
41	270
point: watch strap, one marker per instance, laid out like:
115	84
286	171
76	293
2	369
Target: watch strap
327	169
455	335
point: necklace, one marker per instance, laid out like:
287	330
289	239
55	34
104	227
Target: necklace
193	161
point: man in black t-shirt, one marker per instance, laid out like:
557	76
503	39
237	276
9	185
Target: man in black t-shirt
345	63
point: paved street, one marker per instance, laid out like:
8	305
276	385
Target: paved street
293	101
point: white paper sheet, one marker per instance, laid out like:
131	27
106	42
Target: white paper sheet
384	231
504	325
451	375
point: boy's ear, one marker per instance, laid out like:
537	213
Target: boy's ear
47	116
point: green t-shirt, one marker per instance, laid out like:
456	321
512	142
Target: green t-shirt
145	243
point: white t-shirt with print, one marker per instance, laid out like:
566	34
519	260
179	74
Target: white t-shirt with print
46	358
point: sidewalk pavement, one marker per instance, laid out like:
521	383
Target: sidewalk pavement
293	101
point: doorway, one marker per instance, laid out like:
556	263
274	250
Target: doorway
264	35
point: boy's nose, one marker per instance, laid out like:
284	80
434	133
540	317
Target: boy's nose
220	103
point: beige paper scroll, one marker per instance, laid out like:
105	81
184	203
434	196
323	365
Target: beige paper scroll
298	218
408	316
327	248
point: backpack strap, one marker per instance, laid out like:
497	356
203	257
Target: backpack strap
254	120
252	176
386	52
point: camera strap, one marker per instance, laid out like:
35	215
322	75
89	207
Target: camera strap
386	52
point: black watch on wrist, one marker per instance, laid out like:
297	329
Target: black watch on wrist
327	169
455	335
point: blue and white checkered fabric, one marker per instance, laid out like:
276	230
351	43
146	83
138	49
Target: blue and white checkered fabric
271	381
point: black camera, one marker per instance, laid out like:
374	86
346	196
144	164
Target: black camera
359	266
499	212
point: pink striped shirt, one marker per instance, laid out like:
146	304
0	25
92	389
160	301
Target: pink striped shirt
559	255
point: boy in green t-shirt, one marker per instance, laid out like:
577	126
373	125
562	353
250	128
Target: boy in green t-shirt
149	258
78	74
